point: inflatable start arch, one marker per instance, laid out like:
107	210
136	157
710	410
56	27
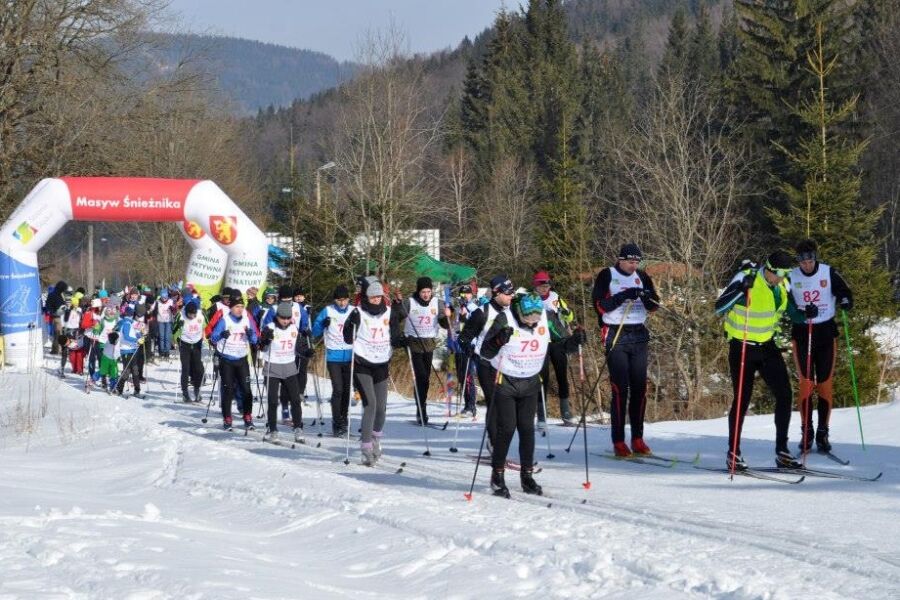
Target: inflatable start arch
226	244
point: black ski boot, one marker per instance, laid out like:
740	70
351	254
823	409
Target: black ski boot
529	485
737	459
822	443
185	397
785	460
498	484
197	397
806	440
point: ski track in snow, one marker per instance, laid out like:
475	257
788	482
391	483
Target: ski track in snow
140	500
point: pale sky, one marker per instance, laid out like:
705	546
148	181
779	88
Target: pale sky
335	26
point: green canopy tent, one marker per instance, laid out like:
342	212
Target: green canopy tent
423	265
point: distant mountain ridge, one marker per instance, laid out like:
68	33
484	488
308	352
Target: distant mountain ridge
254	75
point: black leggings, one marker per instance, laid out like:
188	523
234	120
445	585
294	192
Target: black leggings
512	410
339	373
288	387
422	370
628	379
191	364
765	359
234	374
130	368
556	355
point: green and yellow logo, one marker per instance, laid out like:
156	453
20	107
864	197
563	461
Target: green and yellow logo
24	232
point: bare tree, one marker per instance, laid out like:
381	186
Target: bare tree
385	137
688	185
505	222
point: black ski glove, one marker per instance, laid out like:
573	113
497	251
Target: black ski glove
630	294
400	341
811	311
846	304
308	353
579	336
326	322
502	337
747	281
267	336
225	335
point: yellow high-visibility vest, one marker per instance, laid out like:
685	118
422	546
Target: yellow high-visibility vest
763	316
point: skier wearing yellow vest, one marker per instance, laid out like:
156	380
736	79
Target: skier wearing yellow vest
753	304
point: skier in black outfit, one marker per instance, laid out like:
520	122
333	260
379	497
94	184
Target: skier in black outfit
476	327
627	361
818	292
516	344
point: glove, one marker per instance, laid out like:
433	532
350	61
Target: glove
401	341
502	337
579	335
631	293
308	353
225	334
468	350
326	322
846	303
747	281
811	311
306	333
267	336
141	341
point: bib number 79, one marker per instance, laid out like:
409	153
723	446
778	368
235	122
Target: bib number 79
530	345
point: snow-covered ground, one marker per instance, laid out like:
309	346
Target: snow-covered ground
107	497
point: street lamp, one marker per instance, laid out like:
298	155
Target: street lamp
329	165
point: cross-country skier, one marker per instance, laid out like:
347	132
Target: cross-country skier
424	315
329	324
516	344
560	320
373	329
477	325
232	335
751	348
617	289
131	339
164	307
102	329
817	292
277	342
190	349
466	304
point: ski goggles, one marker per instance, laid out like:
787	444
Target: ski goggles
806	256
505	288
782	273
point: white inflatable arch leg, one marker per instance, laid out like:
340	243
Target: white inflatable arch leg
54	202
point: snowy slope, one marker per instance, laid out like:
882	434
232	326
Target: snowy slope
108	497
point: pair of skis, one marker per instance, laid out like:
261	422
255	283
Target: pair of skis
653	460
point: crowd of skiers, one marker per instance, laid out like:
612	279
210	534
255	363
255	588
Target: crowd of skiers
507	340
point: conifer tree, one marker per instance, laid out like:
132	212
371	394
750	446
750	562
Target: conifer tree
827	205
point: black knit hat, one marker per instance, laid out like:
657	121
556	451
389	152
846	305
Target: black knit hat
299	291
424	283
237	299
340	292
285	291
779	260
502	284
630	252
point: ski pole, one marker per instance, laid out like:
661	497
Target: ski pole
453	447
211	392
550	454
349	412
740	390
487	417
807	402
587	477
315	376
584	401
422	409
215	378
862	439
264	398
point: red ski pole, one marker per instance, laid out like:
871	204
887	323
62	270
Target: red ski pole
740	390
806	413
